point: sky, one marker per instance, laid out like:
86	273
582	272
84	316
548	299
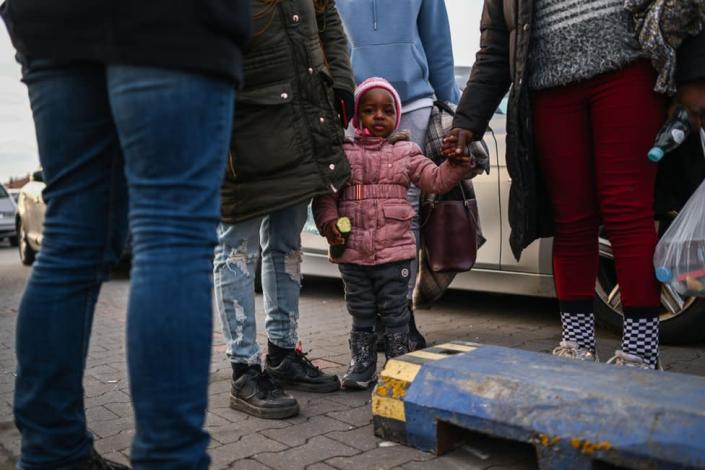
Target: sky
18	146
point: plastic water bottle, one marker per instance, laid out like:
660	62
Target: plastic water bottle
671	135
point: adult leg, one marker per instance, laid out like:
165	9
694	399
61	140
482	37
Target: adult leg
627	114
281	282
567	165
234	273
234	266
280	236
84	232
174	129
417	123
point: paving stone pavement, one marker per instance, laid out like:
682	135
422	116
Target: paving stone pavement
333	431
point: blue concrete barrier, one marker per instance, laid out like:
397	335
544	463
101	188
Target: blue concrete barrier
574	413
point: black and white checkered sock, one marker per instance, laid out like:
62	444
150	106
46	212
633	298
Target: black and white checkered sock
641	339
579	328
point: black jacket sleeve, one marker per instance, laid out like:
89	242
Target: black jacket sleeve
490	77
691	59
335	46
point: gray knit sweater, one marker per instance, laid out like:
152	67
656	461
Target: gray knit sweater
574	40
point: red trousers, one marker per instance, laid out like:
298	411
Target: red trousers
592	139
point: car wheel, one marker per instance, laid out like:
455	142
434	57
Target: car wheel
682	320
14	241
27	254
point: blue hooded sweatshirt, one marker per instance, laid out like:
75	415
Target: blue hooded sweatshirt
405	41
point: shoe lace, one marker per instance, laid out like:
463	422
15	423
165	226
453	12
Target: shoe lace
621	358
266	382
572	350
302	358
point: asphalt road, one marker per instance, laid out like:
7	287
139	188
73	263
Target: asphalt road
332	431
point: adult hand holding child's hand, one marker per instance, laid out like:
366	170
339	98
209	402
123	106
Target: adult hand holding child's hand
456	142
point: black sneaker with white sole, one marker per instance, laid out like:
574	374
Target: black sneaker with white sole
295	371
258	394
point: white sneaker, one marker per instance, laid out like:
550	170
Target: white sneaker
622	358
571	350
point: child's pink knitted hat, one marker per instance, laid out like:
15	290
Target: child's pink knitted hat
370	84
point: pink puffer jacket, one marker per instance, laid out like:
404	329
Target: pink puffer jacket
375	197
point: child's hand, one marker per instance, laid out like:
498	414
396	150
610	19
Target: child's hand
332	234
456	141
460	159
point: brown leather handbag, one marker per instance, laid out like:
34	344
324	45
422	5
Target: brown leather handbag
450	226
449	230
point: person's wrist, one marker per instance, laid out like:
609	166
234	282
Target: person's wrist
691	95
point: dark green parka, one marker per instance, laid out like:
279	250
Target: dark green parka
287	135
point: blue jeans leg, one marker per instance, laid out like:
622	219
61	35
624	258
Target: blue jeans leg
280	237
84	231
234	274
174	129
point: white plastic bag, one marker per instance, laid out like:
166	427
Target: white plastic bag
680	254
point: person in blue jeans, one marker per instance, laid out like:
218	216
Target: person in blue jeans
128	135
286	148
409	44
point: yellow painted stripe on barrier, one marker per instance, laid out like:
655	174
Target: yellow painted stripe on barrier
400	370
388	408
391	388
457	347
427	355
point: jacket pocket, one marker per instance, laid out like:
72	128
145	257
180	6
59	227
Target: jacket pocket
266	132
397	223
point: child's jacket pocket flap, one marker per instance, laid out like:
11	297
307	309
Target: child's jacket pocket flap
398	212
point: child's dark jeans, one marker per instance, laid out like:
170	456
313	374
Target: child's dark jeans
382	289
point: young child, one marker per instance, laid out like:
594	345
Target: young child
378	251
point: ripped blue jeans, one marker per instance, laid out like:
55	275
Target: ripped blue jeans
279	236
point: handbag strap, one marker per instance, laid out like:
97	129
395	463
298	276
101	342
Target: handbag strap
433	200
444	107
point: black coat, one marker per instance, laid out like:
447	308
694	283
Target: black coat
200	35
287	137
501	63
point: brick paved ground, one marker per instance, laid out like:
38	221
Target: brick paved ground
333	431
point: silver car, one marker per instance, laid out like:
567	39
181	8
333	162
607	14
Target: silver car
30	218
496	270
7	216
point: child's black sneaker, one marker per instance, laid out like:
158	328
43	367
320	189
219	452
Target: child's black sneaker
296	371
257	394
397	344
362	371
